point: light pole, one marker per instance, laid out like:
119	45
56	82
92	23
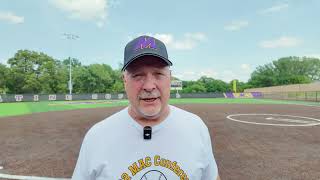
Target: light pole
69	36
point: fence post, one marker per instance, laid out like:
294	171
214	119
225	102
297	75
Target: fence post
305	96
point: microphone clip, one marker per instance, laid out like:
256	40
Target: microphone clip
147	132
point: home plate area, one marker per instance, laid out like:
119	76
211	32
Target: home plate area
274	119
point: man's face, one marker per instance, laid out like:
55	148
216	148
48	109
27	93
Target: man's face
147	84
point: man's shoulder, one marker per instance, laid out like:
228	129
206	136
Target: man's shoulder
190	125
109	123
176	111
187	117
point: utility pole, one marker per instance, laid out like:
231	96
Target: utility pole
70	37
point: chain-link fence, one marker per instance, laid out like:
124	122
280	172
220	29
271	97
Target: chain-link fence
58	97
298	96
99	96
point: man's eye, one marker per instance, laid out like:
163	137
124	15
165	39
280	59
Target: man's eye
136	75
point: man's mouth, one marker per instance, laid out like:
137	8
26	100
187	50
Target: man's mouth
149	99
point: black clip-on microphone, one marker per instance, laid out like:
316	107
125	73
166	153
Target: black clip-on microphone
147	132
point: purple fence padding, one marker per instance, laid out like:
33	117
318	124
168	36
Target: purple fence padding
229	95
256	94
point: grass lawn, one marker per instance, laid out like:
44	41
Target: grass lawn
20	108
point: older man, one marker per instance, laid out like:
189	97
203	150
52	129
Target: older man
149	139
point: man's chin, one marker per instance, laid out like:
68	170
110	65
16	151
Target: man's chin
150	114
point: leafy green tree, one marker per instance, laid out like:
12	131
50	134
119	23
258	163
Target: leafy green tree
31	84
33	72
213	85
287	70
4	72
194	87
54	77
313	68
291	70
74	62
24	72
96	78
263	76
117	87
81	80
102	77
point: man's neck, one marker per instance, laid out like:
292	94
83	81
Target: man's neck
152	121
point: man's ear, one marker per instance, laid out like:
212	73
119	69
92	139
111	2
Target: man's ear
125	75
123	78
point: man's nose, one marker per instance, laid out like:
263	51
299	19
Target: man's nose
149	83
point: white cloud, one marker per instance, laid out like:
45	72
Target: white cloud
11	18
236	25
245	67
228	75
275	8
196	36
166	38
188	42
100	24
195	75
282	42
208	73
88	10
242	74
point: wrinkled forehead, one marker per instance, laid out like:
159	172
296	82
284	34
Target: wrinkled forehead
147	62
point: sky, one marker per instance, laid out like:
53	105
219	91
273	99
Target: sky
220	39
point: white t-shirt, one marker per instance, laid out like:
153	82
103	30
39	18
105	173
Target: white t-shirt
114	149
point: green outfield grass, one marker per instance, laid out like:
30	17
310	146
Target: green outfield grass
11	109
20	108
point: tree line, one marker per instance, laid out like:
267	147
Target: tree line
38	73
35	72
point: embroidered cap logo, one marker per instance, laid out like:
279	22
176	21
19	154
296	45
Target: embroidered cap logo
146	42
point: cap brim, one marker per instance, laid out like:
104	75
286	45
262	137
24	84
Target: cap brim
146	54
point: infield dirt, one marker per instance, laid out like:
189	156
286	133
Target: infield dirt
47	144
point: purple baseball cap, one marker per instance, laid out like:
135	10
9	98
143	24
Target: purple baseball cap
144	46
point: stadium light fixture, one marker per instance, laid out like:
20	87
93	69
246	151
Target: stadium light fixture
70	37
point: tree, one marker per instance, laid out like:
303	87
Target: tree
117	87
287	70
213	85
53	77
33	72
96	78
194	87
291	70
74	62
263	76
22	67
4	71
313	68
81	80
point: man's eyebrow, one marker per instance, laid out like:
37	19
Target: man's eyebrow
134	72
131	70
